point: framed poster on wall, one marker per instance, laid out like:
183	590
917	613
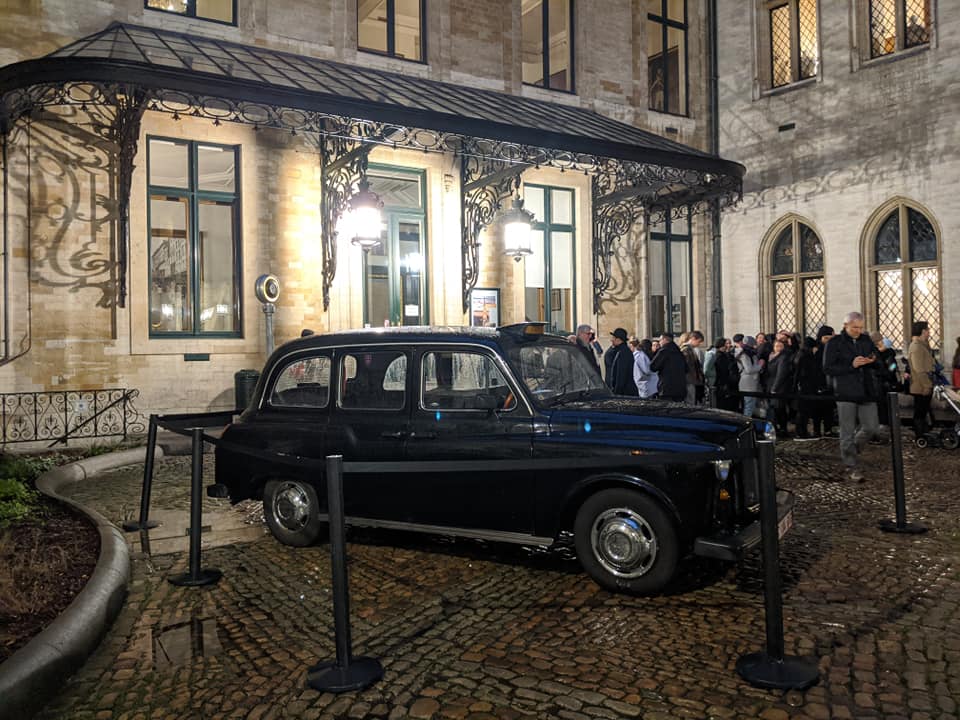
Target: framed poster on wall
485	307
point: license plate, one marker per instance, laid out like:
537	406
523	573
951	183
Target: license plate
786	522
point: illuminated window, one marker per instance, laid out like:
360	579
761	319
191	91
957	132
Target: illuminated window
667	56
897	25
903	267
222	11
392	27
669	263
547	44
194	238
549	272
796	289
794	51
394	271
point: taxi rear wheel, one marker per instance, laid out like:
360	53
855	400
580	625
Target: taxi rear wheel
292	512
626	541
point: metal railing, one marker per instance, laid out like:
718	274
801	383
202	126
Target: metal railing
68	414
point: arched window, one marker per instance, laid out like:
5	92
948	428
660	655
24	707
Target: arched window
904	273
796	295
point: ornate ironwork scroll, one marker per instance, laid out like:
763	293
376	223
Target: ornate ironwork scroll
343	163
484	184
58	416
130	104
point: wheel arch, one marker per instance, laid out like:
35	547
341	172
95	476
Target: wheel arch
606	481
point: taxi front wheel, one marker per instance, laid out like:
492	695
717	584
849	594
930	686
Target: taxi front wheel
626	542
292	512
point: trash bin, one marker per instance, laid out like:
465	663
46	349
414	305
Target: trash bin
244	383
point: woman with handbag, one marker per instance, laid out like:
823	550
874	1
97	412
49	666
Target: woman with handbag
921	372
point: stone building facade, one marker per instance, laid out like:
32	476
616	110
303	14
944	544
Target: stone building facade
845	114
63	328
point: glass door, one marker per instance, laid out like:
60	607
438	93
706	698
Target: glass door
394	288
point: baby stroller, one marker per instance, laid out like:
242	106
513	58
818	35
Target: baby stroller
949	437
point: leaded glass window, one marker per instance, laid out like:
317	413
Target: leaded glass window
905	275
794	47
798	291
898	24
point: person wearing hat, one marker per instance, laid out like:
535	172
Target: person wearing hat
618	361
885	370
671	366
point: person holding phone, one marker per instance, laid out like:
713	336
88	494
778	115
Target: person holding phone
848	360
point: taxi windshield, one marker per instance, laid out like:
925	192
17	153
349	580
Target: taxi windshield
556	371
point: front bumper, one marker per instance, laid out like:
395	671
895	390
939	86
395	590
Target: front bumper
732	546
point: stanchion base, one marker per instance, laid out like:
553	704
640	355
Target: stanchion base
207	576
135	525
890	525
790	673
360	673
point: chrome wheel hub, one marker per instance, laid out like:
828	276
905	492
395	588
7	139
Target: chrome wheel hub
623	542
291	507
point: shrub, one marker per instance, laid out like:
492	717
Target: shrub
16	500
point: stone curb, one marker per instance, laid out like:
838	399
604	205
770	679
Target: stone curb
38	670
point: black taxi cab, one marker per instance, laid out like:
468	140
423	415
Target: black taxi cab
543	450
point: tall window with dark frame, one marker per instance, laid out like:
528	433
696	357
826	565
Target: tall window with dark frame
549	273
897	25
392	27
222	11
670	286
194	244
798	287
794	51
547	43
667	56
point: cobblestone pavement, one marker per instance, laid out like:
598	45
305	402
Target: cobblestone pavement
466	630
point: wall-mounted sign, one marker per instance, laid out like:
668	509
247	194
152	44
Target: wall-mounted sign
485	307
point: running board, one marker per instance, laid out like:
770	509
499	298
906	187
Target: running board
492	535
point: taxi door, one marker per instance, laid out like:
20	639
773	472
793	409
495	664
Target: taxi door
466	409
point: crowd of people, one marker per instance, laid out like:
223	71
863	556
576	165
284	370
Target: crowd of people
816	384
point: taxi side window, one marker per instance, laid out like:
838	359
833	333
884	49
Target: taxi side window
452	380
303	383
374	380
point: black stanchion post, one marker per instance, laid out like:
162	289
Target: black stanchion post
770	668
144	523
900	525
196	576
346	673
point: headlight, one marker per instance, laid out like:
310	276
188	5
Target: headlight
722	469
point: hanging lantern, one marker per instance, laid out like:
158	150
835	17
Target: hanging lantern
364	222
517	224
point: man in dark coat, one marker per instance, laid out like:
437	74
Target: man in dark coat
585	344
848	363
618	361
671	366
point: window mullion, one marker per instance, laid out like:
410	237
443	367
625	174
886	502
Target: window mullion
391	28
545	40
194	244
794	40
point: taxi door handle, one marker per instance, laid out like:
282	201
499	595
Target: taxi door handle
423	436
399	435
